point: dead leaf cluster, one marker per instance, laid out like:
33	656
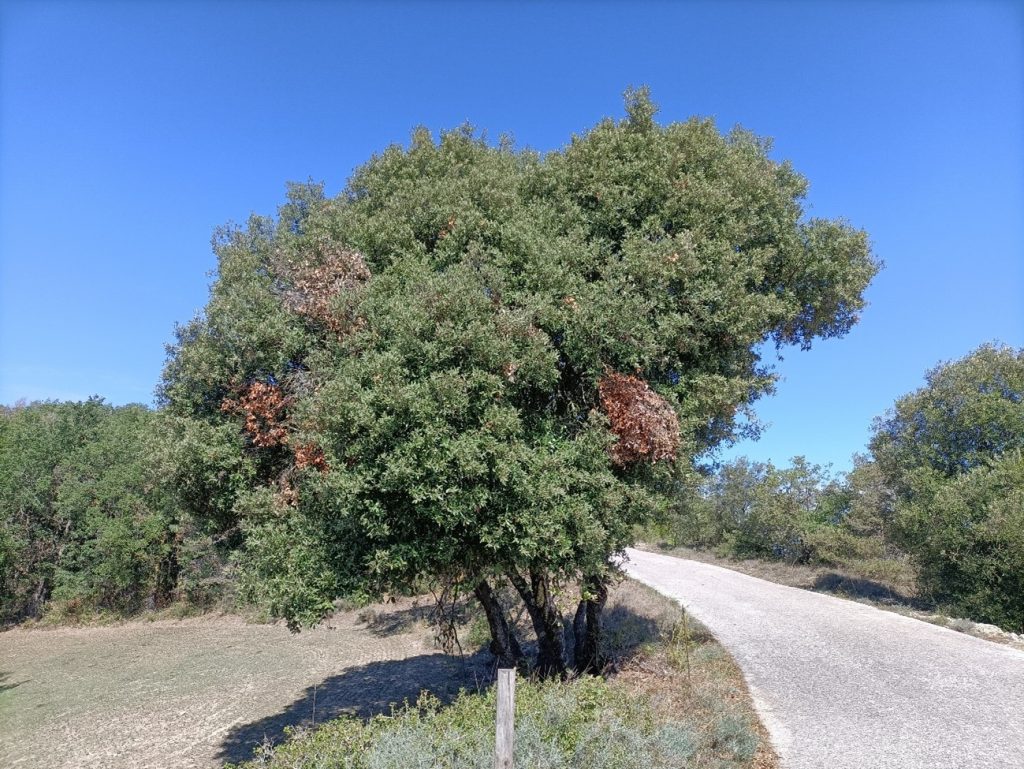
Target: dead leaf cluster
314	283
645	423
263	406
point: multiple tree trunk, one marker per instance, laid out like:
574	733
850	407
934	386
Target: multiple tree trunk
535	591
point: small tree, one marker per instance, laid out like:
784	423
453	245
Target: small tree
502	361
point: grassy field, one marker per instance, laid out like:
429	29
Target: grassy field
194	692
201	691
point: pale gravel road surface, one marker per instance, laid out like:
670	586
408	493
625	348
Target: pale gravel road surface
841	685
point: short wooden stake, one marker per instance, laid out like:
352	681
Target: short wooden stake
505	730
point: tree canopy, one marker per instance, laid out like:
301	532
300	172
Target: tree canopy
968	412
485	365
952	453
83	516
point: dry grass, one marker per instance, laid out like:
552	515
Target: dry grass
684	672
191	692
197	691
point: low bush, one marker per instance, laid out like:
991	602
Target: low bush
589	723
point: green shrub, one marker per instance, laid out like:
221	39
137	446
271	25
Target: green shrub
85	521
967	534
91	514
951	451
588	723
756	510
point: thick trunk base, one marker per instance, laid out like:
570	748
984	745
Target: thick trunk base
504	646
546	620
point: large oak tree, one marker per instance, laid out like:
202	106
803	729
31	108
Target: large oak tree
483	365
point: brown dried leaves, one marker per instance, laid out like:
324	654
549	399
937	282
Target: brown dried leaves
310	455
315	282
263	406
646	424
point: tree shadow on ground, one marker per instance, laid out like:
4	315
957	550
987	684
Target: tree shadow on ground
388	621
385	620
625	631
363	691
856	587
372	689
4	685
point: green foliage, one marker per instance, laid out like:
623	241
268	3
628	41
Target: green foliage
797	514
943	485
754	509
448	388
85	520
288	568
587	723
968	412
968	536
114	509
952	453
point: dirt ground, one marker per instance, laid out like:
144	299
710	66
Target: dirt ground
196	692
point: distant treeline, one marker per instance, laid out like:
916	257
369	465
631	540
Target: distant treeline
121	509
942	490
97	512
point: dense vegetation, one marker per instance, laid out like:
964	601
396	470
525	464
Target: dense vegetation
479	366
90	517
798	514
83	521
944	485
951	453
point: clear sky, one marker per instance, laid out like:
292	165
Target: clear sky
129	131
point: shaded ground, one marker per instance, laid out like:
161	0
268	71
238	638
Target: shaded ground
363	690
192	692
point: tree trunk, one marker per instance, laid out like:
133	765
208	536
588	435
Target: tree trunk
587	627
546	619
504	645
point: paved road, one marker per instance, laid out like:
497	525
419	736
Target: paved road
841	685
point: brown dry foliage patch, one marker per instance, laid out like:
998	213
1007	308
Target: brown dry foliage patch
326	272
645	423
263	406
310	455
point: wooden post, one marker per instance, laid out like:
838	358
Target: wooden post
505	730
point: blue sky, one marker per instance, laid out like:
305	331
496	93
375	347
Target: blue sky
129	131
